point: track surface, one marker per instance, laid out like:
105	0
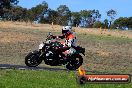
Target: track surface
9	66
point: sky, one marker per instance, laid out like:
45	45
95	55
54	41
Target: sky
123	7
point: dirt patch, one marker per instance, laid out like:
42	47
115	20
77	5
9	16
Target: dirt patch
103	53
56	28
12	37
106	32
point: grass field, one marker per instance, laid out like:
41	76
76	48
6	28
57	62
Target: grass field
47	79
103	52
106	51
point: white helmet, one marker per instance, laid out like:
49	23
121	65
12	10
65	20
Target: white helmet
66	29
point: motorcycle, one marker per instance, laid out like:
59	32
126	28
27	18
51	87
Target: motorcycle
48	52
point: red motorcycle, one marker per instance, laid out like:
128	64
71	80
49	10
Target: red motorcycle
48	51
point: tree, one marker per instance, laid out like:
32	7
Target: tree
130	22
96	15
53	16
98	24
75	18
5	6
86	17
106	23
123	22
46	17
36	13
111	14
89	17
64	15
17	13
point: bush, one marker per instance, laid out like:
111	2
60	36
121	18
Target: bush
98	24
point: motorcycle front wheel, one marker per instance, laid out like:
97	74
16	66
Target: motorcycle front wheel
32	59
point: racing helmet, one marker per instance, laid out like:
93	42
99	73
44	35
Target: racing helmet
66	30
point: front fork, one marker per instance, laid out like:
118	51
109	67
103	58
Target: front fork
41	54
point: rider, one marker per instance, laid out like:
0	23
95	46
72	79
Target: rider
70	41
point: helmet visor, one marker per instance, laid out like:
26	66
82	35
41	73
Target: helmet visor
64	31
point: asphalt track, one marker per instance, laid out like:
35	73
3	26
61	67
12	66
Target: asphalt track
21	67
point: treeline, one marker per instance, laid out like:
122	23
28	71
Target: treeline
61	16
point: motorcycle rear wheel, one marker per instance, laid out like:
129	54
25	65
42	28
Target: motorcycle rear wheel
76	63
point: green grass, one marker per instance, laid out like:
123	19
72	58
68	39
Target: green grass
46	79
104	38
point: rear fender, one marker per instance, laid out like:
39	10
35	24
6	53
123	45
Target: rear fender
73	57
80	50
76	55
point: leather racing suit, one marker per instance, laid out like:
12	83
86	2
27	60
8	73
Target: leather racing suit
69	44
